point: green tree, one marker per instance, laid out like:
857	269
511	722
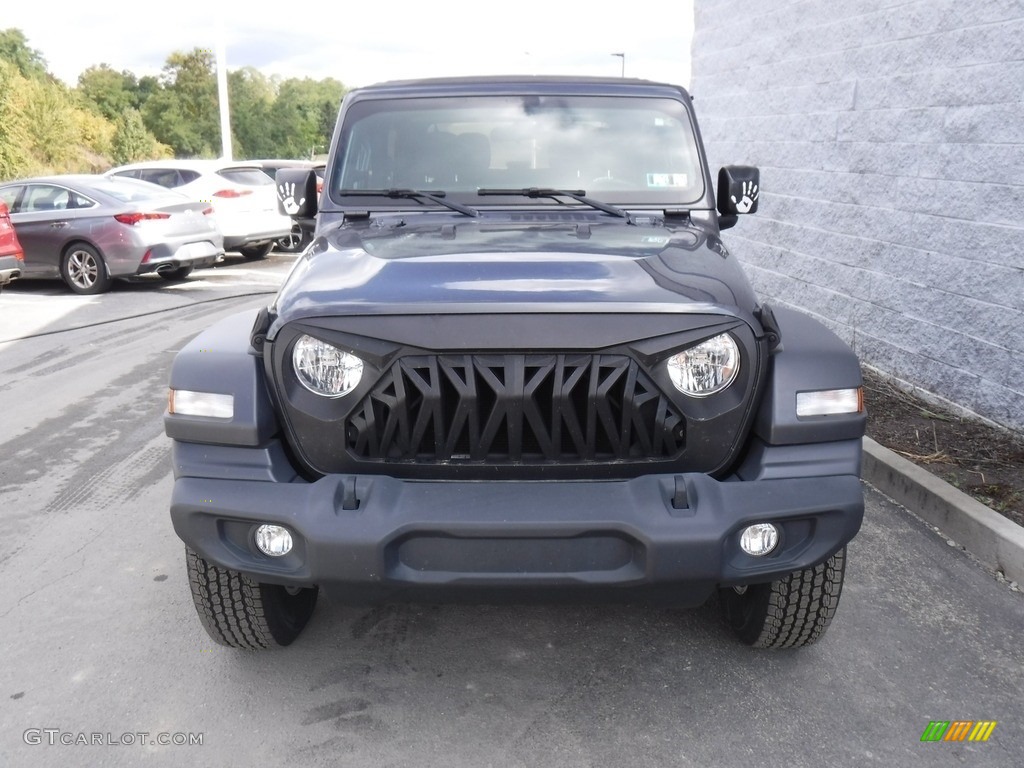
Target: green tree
251	96
95	137
112	93
148	85
53	133
183	112
15	157
14	48
132	142
303	115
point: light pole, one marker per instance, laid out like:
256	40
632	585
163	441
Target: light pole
623	57
222	87
222	98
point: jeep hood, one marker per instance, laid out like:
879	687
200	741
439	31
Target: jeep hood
459	265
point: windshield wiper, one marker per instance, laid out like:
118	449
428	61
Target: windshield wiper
436	196
580	195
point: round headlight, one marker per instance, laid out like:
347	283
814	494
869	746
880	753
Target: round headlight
324	369
707	368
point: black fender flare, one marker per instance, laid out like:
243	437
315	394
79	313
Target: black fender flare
809	358
221	360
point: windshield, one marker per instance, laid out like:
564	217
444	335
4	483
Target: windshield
627	149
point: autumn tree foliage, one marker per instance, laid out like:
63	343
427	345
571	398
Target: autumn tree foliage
111	117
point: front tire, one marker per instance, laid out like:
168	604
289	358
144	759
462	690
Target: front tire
294	242
791	612
239	612
256	252
84	270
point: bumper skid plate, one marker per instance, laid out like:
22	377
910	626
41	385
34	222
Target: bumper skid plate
379	536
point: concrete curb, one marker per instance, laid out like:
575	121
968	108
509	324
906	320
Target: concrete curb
994	540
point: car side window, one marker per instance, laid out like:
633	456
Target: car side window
44	197
10	196
187	177
165	177
78	202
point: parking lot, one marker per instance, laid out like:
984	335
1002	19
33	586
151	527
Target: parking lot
100	635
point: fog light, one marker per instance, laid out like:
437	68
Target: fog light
759	539
273	540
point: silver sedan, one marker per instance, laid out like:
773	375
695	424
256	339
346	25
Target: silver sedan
87	230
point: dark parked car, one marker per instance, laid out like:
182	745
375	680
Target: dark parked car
517	362
12	258
87	230
302	230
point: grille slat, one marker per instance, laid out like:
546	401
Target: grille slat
515	409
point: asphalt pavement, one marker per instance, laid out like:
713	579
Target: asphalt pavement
101	644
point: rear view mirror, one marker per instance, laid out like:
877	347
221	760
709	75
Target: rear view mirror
296	192
739	187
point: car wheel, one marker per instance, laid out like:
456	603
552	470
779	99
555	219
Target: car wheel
256	252
84	270
239	612
294	242
177	274
789	613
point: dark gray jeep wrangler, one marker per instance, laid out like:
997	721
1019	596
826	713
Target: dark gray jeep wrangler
517	362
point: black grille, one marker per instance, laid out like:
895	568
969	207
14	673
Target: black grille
531	409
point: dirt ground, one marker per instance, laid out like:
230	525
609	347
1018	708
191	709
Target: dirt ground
982	461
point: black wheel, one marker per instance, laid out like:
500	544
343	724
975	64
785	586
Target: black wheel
789	613
241	613
256	252
177	274
84	270
294	242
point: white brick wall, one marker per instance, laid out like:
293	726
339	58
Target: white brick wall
890	137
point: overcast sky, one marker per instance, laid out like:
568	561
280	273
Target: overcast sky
365	42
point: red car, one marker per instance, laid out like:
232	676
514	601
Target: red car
12	258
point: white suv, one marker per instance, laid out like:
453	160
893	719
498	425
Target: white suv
242	197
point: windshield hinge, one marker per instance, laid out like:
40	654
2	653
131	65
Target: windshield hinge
260	328
675	213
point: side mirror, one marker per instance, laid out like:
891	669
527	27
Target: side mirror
739	187
296	192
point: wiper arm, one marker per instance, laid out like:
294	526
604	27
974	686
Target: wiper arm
415	194
580	195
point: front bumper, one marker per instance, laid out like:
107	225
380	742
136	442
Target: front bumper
377	537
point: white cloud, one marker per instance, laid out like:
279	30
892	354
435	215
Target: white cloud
362	43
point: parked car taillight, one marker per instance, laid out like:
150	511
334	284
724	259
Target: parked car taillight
207	211
134	218
232	192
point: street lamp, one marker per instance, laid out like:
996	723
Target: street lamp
623	57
